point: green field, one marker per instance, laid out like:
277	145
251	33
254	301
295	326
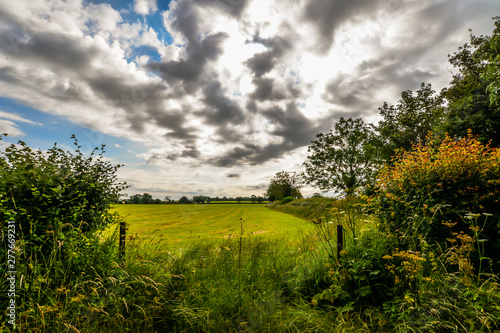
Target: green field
183	224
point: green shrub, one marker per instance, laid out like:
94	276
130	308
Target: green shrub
445	193
56	194
286	200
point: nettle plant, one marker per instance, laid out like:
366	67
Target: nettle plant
430	192
60	199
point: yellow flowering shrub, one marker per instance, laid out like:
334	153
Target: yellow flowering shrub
428	191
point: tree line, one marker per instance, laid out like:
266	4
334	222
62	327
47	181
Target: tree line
147	198
348	157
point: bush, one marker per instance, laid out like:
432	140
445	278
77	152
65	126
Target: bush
445	193
58	199
286	200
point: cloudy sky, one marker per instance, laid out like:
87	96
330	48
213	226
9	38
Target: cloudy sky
214	97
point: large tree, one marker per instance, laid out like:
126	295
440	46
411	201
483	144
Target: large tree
473	94
342	159
284	184
409	121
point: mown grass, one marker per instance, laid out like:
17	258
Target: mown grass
180	225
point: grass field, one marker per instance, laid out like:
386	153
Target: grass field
183	224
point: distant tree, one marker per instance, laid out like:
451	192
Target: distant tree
157	201
147	199
135	199
239	199
343	159
261	199
253	198
284	184
199	199
317	195
409	121
184	200
167	199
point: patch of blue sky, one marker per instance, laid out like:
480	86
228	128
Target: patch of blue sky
150	51
46	129
156	22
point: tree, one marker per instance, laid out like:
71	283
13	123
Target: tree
472	97
284	184
409	122
199	199
492	73
135	199
147	199
253	198
343	159
239	199
184	200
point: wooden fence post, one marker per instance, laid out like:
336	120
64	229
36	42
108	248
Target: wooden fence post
121	247
340	240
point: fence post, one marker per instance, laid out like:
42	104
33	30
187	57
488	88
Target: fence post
121	247
340	240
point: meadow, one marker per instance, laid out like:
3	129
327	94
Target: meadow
179	225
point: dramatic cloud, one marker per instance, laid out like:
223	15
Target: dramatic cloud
221	94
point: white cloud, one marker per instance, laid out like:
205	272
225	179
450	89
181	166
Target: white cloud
11	128
14	117
145	7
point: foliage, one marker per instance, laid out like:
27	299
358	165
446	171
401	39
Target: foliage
430	190
201	199
307	209
360	278
492	70
185	200
342	159
473	92
56	195
409	122
284	184
286	200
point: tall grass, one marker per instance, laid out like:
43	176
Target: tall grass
247	283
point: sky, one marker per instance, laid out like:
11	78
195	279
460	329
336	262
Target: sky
214	97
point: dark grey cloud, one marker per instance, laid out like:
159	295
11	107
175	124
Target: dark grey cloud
291	126
264	62
221	109
265	90
198	52
259	187
233	175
